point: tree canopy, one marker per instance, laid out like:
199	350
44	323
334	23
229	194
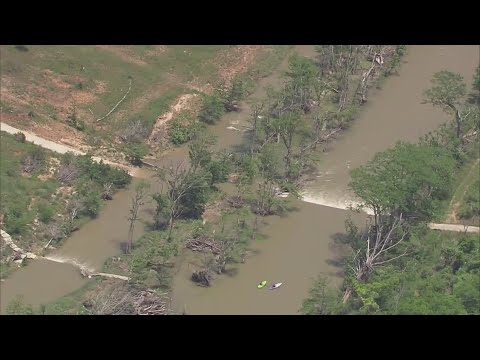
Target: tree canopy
405	179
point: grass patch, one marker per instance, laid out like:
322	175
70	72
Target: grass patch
466	187
71	304
158	107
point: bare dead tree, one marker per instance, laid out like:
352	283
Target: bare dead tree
379	240
134	132
29	165
347	64
67	173
55	232
180	182
107	191
364	82
75	205
141	191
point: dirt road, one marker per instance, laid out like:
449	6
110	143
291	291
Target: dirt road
63	149
454	227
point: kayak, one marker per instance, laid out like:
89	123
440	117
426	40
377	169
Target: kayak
275	286
262	284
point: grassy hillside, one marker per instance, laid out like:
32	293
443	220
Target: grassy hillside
47	88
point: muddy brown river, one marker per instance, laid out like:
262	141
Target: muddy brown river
297	247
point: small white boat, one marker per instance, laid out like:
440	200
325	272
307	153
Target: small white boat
275	286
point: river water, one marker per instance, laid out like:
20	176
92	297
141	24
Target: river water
299	246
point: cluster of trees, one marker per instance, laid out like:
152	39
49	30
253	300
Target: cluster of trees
286	129
91	182
186	188
396	265
317	100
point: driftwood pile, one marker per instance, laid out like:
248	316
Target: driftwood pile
149	303
207	245
126	300
204	244
236	201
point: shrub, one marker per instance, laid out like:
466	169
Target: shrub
212	109
135	153
22	48
179	133
20	137
45	212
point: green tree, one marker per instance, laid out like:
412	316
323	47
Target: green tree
322	300
212	109
431	304
219	168
135	153
199	150
467	289
476	79
287	126
151	260
405	179
236	93
446	92
302	80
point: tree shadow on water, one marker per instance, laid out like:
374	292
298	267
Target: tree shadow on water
231	271
340	252
123	246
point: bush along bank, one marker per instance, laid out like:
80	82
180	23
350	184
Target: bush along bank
46	196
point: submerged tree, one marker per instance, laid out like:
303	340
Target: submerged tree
141	190
185	195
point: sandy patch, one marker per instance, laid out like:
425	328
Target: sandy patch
156	50
232	62
182	103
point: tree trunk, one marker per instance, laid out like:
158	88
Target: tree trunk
130	238
458	120
170	229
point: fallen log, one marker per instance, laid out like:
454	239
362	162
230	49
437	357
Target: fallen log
88	274
149	164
